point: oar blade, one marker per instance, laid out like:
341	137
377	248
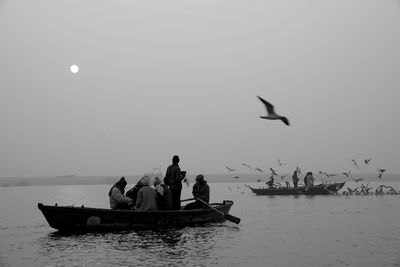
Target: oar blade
225	216
232	218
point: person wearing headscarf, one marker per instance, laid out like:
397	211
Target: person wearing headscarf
146	197
117	198
201	190
132	193
163	195
309	180
270	183
173	178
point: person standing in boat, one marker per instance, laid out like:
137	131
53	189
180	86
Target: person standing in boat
163	195
173	178
117	198
305	180
146	197
295	179
201	190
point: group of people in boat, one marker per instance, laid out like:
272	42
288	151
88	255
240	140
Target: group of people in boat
308	180
161	195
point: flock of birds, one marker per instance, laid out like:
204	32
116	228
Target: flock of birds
365	190
360	190
274	173
272	115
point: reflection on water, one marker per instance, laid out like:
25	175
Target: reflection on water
193	246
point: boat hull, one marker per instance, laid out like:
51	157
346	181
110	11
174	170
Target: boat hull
82	219
322	189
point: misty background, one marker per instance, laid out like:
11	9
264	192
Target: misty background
158	78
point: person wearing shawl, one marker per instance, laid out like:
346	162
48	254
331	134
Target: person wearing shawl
132	193
309	180
163	195
270	183
146	197
117	198
201	190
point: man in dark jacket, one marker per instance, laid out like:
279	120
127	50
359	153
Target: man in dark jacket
201	190
173	178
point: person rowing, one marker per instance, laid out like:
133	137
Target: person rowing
270	183
201	191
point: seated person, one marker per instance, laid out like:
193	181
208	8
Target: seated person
309	179
164	201
117	198
146	197
132	193
270	183
201	190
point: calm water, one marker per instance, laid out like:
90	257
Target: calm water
275	231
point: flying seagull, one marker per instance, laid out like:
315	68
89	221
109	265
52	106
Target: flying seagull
357	179
271	113
346	173
273	172
236	177
247	165
355	163
298	169
280	163
381	171
366	161
330	174
230	169
351	191
258	169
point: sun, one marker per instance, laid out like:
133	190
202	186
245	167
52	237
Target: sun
74	69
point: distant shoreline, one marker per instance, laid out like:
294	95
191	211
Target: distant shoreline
132	179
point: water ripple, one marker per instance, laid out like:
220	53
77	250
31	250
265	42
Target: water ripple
193	246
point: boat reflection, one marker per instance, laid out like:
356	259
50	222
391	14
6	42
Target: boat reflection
173	246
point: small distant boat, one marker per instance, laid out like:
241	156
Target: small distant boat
321	189
83	219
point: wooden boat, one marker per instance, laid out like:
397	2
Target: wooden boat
321	189
83	219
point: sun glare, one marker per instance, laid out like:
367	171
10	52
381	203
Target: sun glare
74	69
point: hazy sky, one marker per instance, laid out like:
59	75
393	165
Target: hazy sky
159	78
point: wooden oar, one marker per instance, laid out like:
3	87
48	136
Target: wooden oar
226	216
189	199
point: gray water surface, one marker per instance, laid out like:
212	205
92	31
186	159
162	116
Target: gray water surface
330	230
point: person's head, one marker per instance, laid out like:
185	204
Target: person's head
121	183
175	159
139	183
295	172
146	180
157	181
309	173
200	178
